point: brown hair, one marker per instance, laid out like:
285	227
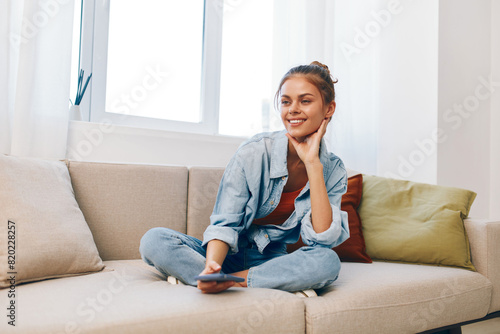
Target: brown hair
316	73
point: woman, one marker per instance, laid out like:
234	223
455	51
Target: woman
278	187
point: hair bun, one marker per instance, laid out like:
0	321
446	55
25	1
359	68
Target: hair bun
317	63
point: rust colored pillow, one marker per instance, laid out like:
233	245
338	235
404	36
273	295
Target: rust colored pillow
354	248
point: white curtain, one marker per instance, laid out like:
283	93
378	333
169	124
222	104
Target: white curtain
303	32
353	134
35	61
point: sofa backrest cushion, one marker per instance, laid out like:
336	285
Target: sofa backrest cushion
203	186
122	201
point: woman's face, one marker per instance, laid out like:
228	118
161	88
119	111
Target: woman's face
302	108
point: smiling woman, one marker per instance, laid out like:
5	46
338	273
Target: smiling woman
302	107
307	97
278	186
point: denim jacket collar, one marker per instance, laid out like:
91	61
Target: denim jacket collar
278	156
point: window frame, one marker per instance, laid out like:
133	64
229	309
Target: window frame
93	59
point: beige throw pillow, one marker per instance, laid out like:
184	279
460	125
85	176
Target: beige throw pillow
43	232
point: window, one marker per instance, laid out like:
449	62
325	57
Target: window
148	61
203	66
154	59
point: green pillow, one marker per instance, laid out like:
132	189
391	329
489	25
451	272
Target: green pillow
413	222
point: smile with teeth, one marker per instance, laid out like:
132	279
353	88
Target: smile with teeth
297	121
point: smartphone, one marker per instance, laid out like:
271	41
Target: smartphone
219	278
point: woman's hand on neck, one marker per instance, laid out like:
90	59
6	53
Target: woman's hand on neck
307	150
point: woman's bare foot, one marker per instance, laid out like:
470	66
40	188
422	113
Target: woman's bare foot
242	274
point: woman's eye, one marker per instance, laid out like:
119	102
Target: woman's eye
306	101
285	102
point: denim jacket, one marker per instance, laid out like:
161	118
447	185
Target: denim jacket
251	188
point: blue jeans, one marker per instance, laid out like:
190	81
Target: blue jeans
182	256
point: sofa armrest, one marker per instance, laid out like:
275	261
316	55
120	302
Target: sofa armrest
484	238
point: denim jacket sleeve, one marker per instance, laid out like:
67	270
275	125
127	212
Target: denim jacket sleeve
228	217
338	232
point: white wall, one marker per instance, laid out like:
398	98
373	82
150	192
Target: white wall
464	100
495	113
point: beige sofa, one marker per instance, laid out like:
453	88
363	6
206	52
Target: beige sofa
121	202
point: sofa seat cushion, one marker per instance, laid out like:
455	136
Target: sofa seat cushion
133	297
397	298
